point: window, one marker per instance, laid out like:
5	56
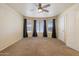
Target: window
29	26
39	24
49	25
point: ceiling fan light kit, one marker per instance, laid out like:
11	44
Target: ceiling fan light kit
39	10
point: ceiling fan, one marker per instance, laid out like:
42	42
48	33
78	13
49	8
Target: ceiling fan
42	8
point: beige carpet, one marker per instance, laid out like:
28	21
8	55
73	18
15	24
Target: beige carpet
39	47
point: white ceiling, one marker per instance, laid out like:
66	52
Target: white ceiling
30	9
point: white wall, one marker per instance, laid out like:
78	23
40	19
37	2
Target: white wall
11	26
71	26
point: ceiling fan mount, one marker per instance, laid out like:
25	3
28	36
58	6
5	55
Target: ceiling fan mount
40	6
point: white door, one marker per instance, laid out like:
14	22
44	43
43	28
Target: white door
61	28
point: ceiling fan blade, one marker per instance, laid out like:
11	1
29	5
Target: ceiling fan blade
45	10
36	5
46	6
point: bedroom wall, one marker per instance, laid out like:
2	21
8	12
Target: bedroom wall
11	26
71	27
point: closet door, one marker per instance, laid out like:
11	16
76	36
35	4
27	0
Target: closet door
70	28
61	27
76	41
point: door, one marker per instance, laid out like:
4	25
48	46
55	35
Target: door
61	28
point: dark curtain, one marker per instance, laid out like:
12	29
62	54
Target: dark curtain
53	29
45	29
25	34
34	29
